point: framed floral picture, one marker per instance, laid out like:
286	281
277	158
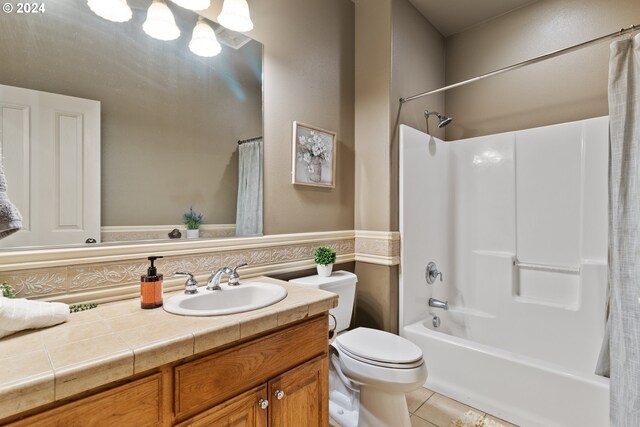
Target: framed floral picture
313	160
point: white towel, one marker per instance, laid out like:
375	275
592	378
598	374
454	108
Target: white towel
20	314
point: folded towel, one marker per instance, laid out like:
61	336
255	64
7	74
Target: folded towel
19	314
10	219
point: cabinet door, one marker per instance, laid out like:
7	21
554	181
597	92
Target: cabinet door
300	397
241	411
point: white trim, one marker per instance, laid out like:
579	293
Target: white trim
386	235
377	259
160	228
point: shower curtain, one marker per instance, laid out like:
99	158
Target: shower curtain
620	356
249	208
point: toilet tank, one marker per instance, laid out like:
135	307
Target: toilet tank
342	283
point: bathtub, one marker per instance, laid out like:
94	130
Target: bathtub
517	224
520	389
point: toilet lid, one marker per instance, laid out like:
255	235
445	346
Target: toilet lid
379	346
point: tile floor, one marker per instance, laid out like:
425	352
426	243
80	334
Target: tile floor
430	409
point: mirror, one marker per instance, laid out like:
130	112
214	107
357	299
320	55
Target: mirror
165	125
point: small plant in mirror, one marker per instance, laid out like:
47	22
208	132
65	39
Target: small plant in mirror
192	219
324	255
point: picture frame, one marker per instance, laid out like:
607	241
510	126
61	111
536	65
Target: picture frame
313	160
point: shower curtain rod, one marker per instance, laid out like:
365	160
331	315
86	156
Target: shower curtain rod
549	55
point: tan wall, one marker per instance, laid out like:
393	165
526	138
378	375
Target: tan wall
372	106
398	53
377	297
418	60
169	119
308	77
567	88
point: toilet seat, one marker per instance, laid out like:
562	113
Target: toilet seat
379	363
380	348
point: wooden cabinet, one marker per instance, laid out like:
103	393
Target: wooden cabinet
210	380
276	380
300	397
297	398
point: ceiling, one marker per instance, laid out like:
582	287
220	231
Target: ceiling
454	16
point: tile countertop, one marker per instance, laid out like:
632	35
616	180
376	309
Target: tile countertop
119	339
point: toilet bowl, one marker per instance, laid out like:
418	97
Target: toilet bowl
370	370
382	367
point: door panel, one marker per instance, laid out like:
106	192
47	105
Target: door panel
51	152
241	411
300	397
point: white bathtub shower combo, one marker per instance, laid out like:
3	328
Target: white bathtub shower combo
517	224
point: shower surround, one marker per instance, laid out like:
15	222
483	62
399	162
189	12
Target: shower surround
517	223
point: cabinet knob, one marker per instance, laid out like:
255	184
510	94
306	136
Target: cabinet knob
279	394
263	403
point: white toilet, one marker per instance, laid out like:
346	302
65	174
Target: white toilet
370	370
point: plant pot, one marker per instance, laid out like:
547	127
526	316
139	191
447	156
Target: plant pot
324	270
193	234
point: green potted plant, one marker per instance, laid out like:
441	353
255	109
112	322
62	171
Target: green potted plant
324	257
192	220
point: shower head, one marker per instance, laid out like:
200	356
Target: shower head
443	120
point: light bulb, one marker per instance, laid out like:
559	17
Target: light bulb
111	10
160	23
204	41
193	4
235	15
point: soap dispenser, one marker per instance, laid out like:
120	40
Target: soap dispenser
151	287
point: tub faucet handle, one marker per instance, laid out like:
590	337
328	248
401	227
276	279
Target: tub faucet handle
432	273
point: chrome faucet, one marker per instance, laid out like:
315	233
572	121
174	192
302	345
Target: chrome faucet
191	285
436	303
213	284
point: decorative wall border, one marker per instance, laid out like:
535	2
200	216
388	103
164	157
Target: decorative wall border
378	247
112	272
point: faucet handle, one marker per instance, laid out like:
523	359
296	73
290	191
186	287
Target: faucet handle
432	273
244	264
191	285
234	277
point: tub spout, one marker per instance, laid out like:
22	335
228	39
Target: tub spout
436	303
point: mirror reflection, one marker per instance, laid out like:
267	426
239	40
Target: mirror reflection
109	134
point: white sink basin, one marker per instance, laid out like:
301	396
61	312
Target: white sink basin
246	296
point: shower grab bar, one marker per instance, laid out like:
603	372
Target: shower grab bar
546	267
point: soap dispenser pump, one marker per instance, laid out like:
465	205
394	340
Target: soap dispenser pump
151	286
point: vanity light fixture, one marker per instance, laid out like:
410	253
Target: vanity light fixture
235	15
111	10
160	23
193	4
204	41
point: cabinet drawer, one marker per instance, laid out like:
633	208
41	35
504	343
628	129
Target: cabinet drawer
135	404
213	379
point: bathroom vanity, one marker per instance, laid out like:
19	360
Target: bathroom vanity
267	367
